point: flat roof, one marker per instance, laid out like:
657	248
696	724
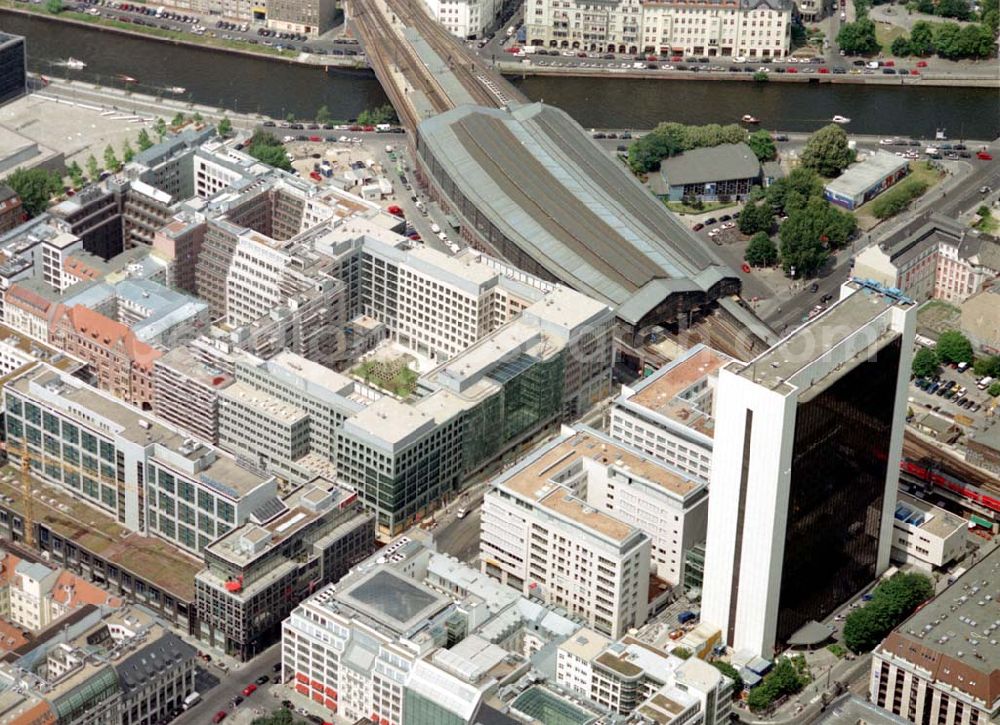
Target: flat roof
776	366
585	644
534	479
661	391
392	599
264	402
536	176
542	705
932	519
863	175
147	557
953	636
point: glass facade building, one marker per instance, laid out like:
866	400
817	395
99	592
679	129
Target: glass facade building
839	461
13	65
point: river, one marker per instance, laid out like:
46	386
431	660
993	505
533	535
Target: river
277	88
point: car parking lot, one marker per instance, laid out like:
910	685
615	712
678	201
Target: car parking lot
954	394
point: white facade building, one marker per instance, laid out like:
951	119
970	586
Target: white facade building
541	536
802	497
722	28
670	414
465	18
925	535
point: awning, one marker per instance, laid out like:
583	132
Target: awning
811	634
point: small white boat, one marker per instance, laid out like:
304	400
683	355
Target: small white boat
747	118
841	119
127	79
75	64
177	89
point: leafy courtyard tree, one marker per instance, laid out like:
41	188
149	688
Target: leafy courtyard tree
761	251
988	365
762	145
994	389
827	151
225	127
160	127
111	162
143	141
35	187
925	363
801	181
900	46
954	347
858	38
892	601
921	40
76	177
93	170
267	148
756	218
128	153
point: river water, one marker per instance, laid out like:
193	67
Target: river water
277	88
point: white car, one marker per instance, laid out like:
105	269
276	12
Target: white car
461	513
713	232
887	142
739	59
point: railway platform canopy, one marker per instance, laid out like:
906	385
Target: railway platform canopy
530	185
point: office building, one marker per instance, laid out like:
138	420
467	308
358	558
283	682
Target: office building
803	494
749	28
186	392
541	536
670	414
925	535
942	664
94	215
309	17
416	637
133	467
257	573
13	67
124	668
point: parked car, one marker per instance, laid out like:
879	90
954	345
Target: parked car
984	156
249	689
219	716
814	287
263	680
698	227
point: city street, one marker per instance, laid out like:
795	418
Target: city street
231	684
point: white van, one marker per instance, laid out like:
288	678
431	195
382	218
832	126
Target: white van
435	228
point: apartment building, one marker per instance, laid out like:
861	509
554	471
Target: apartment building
186	392
540	536
941	664
925	535
417	637
938	261
670	414
310	17
721	28
466	18
133	467
803	495
256	574
95	216
126	668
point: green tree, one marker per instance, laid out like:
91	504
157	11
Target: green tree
178	120
761	251
958	9
954	347
290	117
76	175
143	141
761	76
645	154
197	117
827	151
803	182
266	147
35	187
921	40
989	14
762	145
54	6
988	365
160	127
801	253
900	46
279	717
128	153
892	601
788	676
948	41
93	170
898	198
755	218
925	363
858	38
225	127
111	162
994	389
380	114
323	115
682	652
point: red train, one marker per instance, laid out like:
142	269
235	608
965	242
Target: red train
965	490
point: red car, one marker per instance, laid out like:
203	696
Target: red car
889	63
651	58
315	176
791	70
921	64
676	58
984	156
219	716
824	69
914	72
315	139
698	227
249	689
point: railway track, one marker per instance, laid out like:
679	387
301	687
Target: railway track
917	450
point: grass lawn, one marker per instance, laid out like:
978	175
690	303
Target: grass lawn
402	384
919	170
682	208
989	224
886	33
